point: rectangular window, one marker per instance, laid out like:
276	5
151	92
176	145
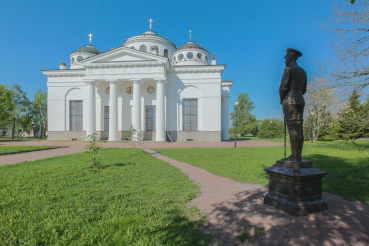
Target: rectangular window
190	115
106	118
76	116
150	118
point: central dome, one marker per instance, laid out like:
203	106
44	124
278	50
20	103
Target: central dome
151	42
190	54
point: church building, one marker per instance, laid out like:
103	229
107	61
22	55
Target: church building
168	93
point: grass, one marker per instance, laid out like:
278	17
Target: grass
347	164
136	200
5	139
266	139
7	150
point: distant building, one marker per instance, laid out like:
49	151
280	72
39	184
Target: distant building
169	93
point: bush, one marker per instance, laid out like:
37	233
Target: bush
275	128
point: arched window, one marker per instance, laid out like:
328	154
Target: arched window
206	59
180	57
143	48
189	55
72	60
199	56
166	53
80	58
154	49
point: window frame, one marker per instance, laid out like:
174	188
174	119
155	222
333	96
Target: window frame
143	47
192	116
106	118
74	116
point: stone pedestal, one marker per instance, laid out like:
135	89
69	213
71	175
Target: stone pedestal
295	187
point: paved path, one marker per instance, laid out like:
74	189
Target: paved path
77	147
233	208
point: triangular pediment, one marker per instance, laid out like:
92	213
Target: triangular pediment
124	54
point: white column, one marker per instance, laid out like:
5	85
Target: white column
225	117
136	119
160	111
113	111
91	127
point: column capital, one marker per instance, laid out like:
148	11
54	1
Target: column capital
226	95
160	80
113	81
89	81
136	81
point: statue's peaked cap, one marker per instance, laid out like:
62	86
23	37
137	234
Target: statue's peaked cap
298	53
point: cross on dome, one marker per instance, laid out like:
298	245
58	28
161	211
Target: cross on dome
190	34
150	23
90	37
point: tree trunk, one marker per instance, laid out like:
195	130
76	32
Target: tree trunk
13	128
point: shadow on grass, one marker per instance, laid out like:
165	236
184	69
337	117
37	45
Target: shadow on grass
119	165
345	222
182	231
346	177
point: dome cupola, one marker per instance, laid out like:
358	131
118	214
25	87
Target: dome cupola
151	42
82	53
190	53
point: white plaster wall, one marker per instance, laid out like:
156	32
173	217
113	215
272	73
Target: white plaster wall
209	103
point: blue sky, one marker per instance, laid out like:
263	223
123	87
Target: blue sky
250	37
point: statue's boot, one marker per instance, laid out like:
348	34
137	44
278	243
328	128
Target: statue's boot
293	130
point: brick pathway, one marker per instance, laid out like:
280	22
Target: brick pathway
233	208
77	147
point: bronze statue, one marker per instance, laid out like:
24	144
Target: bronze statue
291	91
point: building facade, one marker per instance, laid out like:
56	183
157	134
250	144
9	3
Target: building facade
169	93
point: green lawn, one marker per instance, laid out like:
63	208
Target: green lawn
266	139
136	200
7	150
347	164
4	139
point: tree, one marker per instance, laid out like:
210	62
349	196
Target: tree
21	105
321	107
6	105
271	128
93	148
246	122
350	24
134	137
353	120
39	110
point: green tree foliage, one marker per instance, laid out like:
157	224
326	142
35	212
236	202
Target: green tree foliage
21	106
271	127
93	148
246	122
39	110
354	120
6	105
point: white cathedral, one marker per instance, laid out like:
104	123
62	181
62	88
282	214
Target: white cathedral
168	93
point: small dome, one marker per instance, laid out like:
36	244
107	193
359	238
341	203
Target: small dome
190	44
88	49
151	33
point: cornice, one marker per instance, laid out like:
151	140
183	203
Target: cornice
200	68
64	72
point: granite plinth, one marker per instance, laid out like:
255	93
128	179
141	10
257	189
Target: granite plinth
295	187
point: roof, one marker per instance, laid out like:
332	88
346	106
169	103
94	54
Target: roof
147	34
89	49
191	44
